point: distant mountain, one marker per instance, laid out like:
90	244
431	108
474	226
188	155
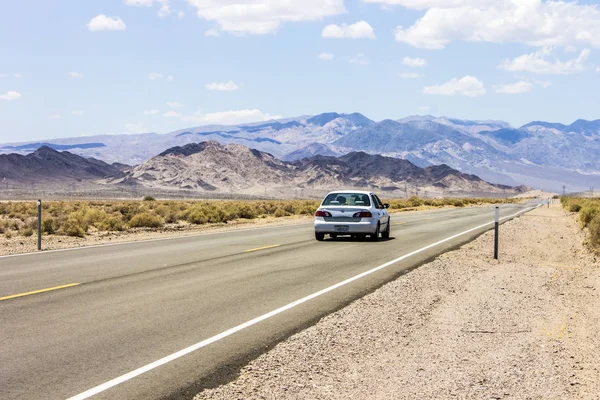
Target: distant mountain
540	154
312	149
47	165
210	166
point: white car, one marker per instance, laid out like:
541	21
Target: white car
352	212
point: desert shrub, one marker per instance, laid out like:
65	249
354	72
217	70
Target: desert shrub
574	207
49	226
72	226
587	213
149	198
92	216
245	211
146	220
27	232
414	201
594	233
197	216
112	223
458	203
280	212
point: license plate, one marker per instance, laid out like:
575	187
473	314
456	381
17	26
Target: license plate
339	228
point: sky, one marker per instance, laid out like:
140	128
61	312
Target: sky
73	68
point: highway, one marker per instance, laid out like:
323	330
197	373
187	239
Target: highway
73	321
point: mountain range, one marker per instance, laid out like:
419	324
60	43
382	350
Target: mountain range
234	168
539	154
209	168
50	166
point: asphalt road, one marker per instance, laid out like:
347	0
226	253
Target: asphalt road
121	307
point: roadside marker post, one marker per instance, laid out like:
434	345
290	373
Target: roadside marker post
496	224
39	204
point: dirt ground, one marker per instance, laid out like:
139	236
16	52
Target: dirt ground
461	327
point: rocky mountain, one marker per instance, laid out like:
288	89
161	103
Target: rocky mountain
210	166
49	165
539	154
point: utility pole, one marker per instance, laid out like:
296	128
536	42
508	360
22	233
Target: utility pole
564	190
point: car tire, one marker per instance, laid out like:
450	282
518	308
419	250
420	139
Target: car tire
375	236
386	234
333	235
319	236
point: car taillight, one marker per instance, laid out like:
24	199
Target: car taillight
322	214
363	214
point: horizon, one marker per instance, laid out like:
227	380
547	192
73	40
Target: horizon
141	66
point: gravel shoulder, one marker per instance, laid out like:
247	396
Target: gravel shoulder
460	327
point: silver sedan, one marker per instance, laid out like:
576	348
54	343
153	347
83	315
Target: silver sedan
352	212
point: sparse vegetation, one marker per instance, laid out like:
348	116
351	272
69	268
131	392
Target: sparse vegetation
589	217
77	218
149	198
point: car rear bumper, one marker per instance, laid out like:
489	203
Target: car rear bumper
345	228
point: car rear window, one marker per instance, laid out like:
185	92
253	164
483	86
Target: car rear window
347	199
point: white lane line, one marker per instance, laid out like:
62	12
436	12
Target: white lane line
148	367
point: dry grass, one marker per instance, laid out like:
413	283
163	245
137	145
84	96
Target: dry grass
76	218
589	217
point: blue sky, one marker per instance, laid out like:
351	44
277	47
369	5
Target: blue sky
73	68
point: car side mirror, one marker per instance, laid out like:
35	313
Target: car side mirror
386	205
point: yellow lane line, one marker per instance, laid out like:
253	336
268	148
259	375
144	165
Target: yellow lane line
262	248
39	291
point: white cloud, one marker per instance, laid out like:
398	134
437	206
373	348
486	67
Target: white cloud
359	30
531	22
136	127
174	104
263	16
410	75
77	113
18	75
10	95
103	23
230	117
570	49
360	59
326	56
54	116
597	69
538	64
423	109
212	33
465	86
514	88
172	114
151	112
229	86
163	11
3	76
76	75
180	15
154	76
414	62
